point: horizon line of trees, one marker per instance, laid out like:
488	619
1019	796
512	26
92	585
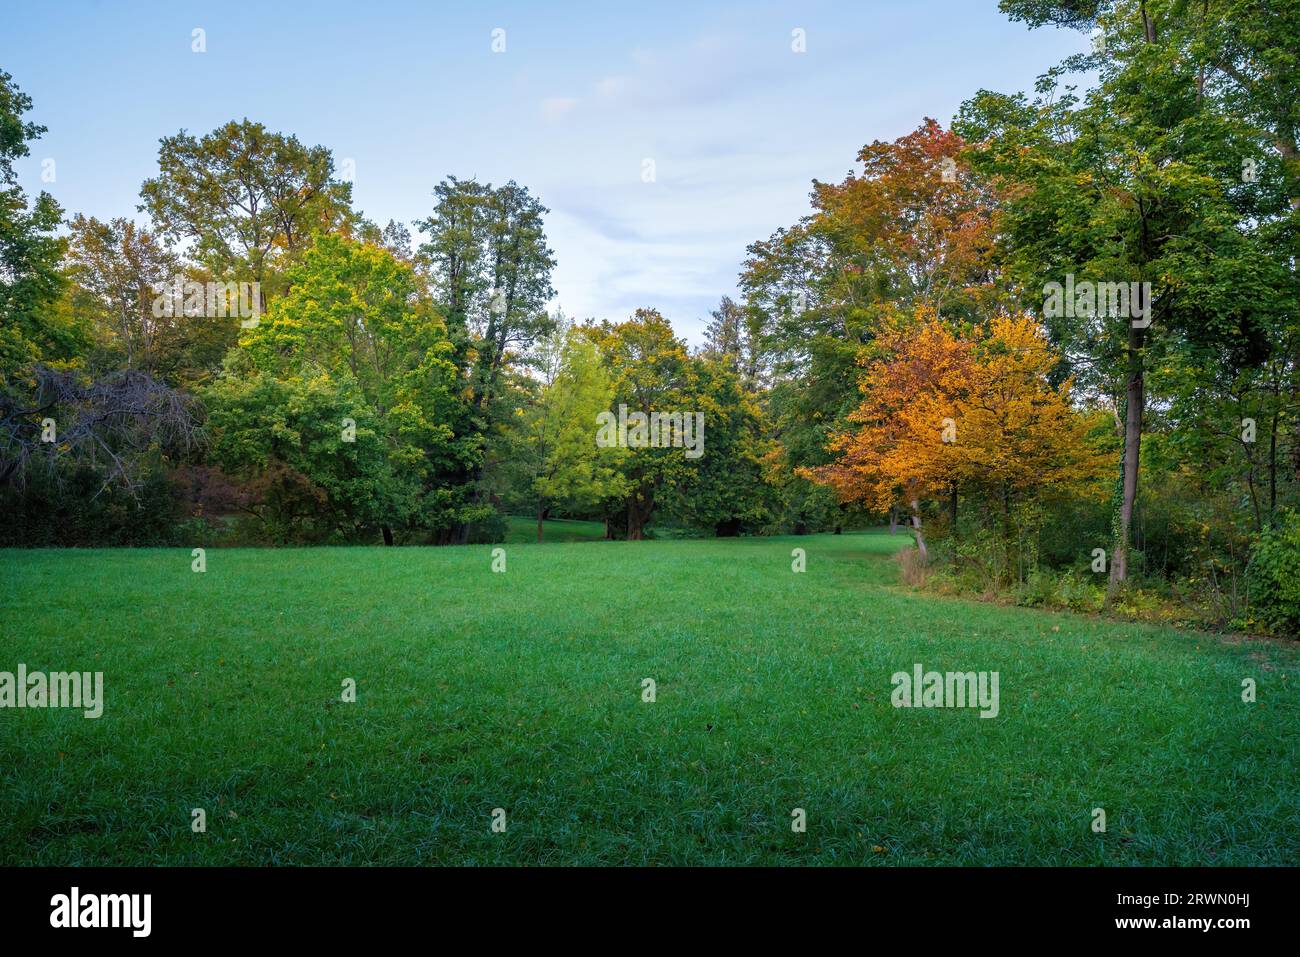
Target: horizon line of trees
891	354
375	391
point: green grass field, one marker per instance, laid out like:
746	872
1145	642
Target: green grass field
522	690
523	531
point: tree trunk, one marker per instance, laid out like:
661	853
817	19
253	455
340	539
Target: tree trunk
952	508
475	496
1148	24
1287	147
916	527
893	521
639	508
1272	468
388	534
541	516
1135	399
1134	405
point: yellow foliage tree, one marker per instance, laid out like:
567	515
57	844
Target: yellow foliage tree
944	410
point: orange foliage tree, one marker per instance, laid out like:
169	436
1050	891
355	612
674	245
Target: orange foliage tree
946	410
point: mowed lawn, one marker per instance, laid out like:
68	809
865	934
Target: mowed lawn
522	690
523	531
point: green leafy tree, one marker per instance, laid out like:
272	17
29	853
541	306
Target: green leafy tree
306	478
1141	180
728	491
354	317
248	198
736	337
563	463
33	329
490	269
125	279
652	373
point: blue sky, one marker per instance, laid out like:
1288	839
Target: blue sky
737	124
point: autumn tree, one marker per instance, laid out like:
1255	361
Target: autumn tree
976	410
912	228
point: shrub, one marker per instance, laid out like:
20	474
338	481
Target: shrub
1061	590
81	506
912	568
1275	576
488	527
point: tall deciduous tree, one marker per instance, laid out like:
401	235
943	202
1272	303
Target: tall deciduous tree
1140	181
728	488
246	197
912	228
978	411
652	372
562	461
735	336
492	272
491	275
30	281
353	317
119	269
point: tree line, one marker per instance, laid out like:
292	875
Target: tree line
1058	340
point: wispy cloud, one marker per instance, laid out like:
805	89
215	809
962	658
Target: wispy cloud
737	122
557	107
